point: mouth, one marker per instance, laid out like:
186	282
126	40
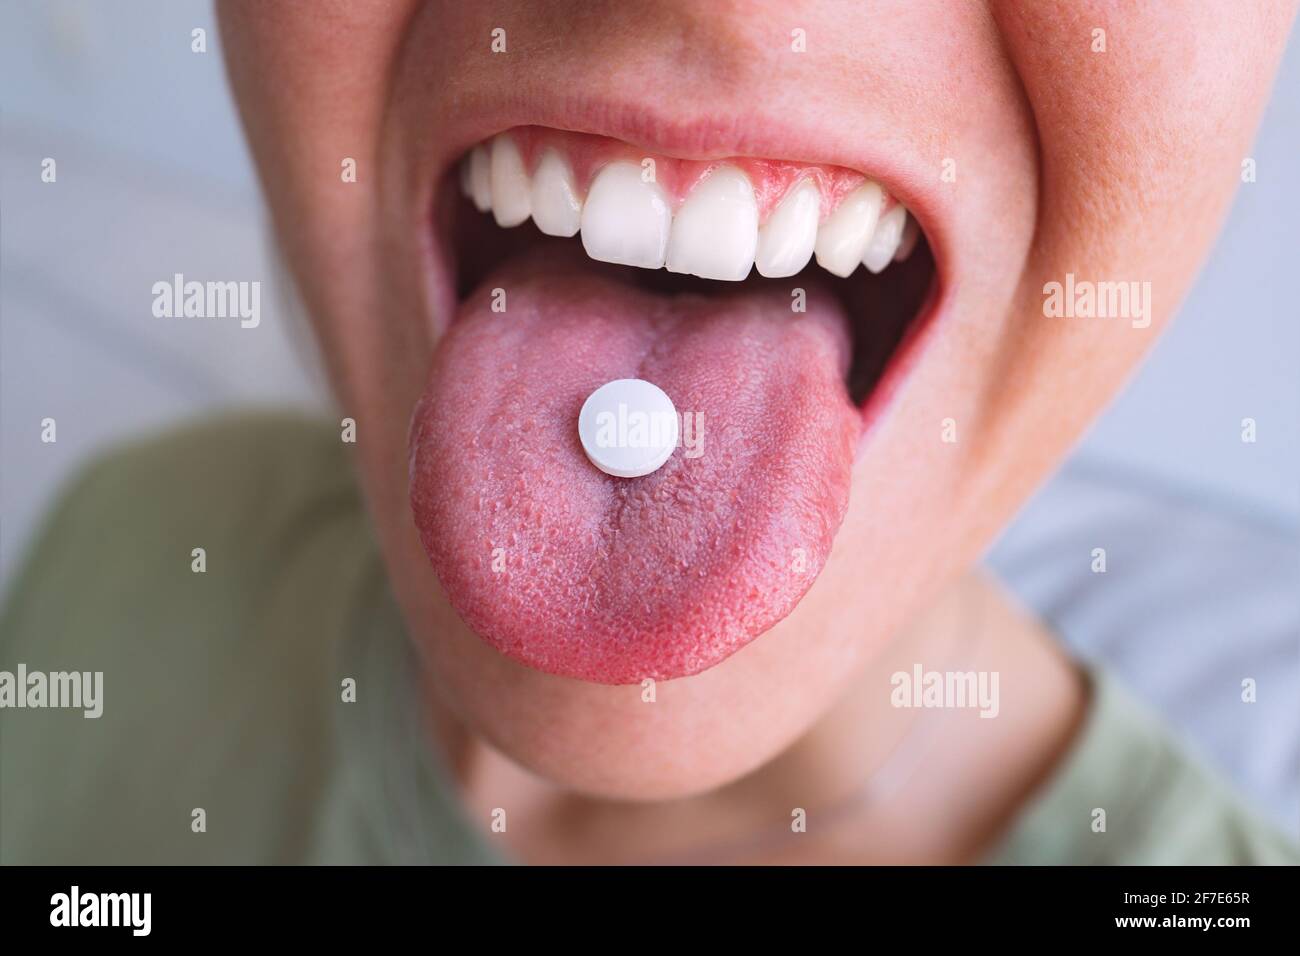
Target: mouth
777	302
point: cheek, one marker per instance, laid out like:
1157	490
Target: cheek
311	84
1139	107
1142	114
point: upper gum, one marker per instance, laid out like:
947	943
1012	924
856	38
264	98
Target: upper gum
772	179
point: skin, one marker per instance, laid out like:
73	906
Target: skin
1112	166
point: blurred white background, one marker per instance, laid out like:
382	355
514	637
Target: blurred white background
1202	531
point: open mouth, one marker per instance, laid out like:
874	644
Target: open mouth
774	301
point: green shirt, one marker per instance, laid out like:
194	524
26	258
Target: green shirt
224	690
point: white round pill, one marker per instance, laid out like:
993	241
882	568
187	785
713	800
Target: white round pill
628	427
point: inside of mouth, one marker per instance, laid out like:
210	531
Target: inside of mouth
882	307
777	364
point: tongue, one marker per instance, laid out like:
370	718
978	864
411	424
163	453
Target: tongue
577	573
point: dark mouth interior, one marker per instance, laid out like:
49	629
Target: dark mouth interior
881	307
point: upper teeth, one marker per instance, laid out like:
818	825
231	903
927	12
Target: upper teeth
884	241
715	233
511	199
627	217
787	239
557	210
842	239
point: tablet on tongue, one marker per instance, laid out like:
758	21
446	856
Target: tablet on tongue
578	573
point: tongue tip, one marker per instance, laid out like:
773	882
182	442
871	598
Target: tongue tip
613	611
608	648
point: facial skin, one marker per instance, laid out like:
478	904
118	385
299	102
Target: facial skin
1115	165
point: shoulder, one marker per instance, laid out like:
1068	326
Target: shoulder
144	508
211	576
204	471
1129	793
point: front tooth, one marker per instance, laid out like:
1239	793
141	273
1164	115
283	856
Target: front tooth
715	232
510	186
556	207
785	243
911	232
884	241
625	219
843	238
480	178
